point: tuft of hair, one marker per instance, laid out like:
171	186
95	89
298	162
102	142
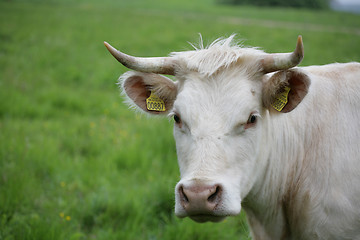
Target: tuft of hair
220	54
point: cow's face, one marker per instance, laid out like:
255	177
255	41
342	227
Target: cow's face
220	117
217	129
219	122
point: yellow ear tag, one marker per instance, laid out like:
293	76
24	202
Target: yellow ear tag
154	103
281	99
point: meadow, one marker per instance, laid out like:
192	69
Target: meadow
75	162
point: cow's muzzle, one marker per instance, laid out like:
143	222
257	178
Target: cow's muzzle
200	202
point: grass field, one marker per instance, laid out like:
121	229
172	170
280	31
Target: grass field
75	163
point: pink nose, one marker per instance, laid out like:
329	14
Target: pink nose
199	199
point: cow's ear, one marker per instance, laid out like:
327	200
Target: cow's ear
284	90
152	93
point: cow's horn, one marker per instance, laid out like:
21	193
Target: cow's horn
161	65
281	61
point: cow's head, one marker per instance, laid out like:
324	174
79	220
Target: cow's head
219	102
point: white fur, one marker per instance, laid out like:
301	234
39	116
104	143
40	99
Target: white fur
218	55
297	175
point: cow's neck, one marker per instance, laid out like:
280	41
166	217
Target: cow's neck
268	212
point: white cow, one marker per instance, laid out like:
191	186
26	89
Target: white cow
253	132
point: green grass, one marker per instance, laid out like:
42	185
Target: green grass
75	163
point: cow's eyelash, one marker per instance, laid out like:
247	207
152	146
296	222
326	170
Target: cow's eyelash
172	113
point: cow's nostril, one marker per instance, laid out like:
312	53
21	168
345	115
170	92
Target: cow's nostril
213	197
183	196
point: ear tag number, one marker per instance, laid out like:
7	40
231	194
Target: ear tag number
154	103
281	99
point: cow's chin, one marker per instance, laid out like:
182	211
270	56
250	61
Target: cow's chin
201	218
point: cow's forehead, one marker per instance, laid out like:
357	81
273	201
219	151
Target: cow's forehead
222	96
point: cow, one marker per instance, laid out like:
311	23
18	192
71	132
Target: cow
255	132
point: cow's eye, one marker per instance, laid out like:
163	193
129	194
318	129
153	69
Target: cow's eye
252	119
177	119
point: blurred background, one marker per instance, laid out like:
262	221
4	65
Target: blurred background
75	162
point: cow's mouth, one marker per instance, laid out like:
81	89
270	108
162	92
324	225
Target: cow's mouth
201	218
